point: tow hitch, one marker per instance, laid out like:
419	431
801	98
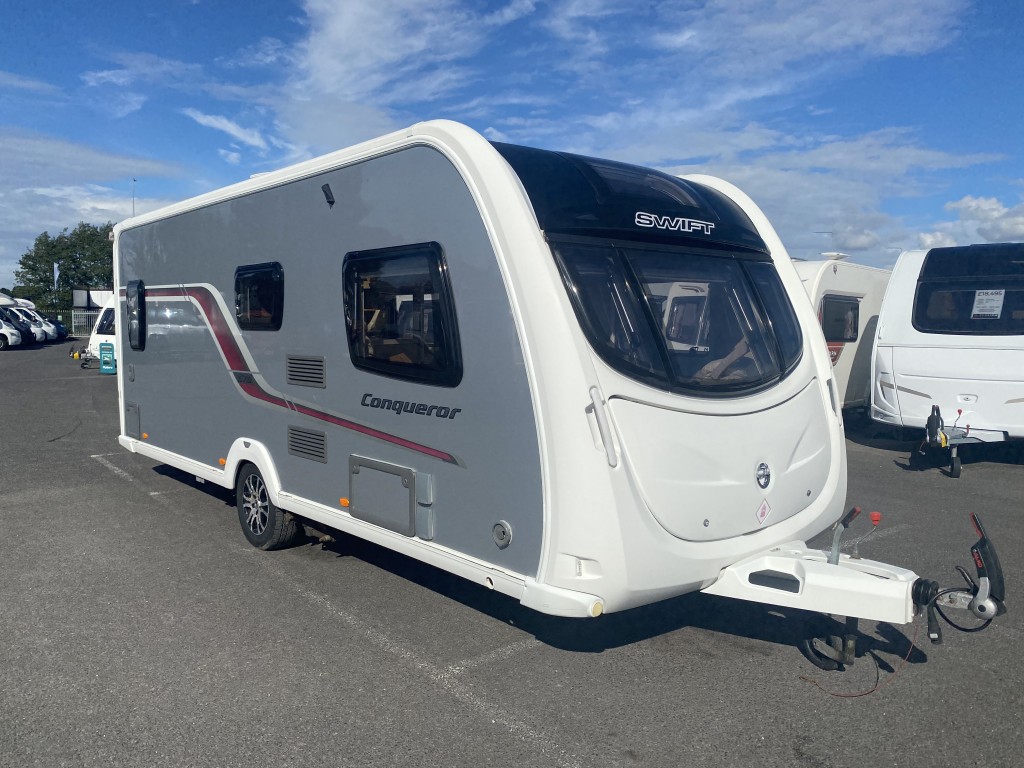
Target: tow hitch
983	597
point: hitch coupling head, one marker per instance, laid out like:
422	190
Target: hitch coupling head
983	596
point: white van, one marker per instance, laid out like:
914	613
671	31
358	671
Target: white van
951	335
9	335
847	298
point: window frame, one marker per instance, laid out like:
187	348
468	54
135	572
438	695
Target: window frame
249	271
445	323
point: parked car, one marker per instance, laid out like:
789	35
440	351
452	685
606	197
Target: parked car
62	330
28	335
9	335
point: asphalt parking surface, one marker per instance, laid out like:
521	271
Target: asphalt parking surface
138	628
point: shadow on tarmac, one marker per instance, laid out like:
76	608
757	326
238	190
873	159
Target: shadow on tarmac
724	616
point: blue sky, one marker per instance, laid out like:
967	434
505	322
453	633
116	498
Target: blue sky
865	127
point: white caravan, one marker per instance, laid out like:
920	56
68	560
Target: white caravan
847	298
103	329
584	384
9	335
951	336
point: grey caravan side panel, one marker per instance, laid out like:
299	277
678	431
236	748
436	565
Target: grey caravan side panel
191	403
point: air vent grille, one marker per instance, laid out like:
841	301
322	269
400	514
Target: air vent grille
307	444
307	371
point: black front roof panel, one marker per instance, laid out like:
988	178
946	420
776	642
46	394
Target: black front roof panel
577	195
1002	259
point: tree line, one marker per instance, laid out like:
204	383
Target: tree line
84	258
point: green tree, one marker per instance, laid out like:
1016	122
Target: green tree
84	259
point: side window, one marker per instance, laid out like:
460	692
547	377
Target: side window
399	314
259	297
840	318
135	304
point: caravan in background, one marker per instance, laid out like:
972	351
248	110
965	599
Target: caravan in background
951	337
847	298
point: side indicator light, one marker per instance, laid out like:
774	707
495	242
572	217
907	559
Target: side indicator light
344	502
222	462
145	435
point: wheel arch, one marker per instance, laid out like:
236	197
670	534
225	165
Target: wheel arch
244	451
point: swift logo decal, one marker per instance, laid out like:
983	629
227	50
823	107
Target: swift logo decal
248	378
672	223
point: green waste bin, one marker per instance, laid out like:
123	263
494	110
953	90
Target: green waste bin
107	362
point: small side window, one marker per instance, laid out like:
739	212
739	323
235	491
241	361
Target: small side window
135	304
259	297
399	314
840	318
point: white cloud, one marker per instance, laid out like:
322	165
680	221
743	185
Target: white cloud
48	184
143	68
247	136
993	220
229	156
740	38
267	52
9	80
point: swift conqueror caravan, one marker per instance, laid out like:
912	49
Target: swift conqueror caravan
489	358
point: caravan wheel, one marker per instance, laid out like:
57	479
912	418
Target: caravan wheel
264	525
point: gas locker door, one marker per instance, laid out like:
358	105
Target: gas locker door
710	477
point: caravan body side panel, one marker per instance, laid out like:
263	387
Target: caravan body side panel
473	468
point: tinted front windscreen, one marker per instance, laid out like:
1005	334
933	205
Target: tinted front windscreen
980	307
682	320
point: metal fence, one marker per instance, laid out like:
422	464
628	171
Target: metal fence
82	321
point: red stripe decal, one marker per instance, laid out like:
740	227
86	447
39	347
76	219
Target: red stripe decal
229	347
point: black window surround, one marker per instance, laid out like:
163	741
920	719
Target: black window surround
259	297
399	314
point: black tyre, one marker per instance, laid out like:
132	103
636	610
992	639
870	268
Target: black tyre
954	467
3	341
264	525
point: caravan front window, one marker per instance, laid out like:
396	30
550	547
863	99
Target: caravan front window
688	320
975	290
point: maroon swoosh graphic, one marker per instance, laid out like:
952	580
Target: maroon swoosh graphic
221	330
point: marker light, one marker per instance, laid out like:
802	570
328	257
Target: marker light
344	502
222	462
145	435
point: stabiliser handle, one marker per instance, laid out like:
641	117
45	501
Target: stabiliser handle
991	591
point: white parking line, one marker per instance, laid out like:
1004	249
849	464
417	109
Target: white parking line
116	470
445	679
499	654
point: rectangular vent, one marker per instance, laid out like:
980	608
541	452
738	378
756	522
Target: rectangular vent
305	371
307	444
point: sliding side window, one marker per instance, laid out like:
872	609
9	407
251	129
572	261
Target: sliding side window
399	314
259	297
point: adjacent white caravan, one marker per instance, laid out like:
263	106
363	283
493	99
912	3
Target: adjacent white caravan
104	329
585	384
951	334
847	298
